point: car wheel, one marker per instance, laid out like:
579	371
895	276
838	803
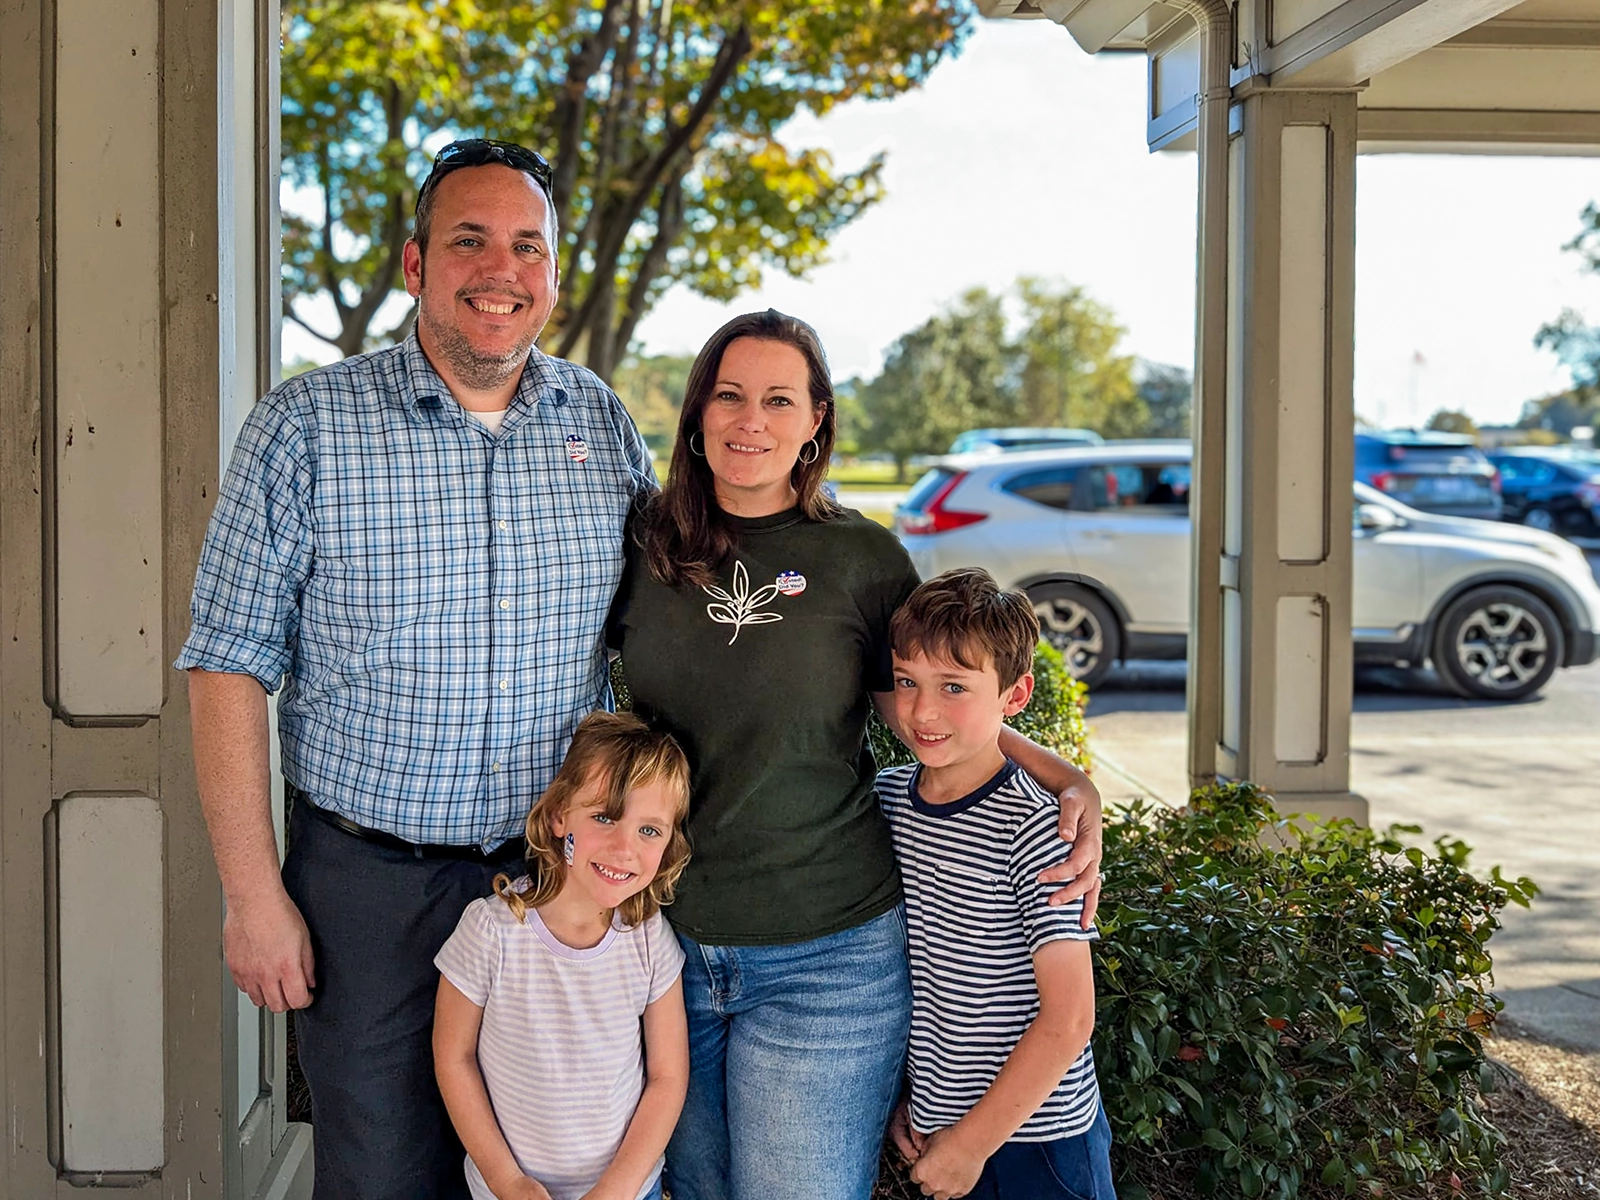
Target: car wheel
1498	643
1539	517
1079	624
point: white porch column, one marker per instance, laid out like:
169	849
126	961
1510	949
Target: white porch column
1272	661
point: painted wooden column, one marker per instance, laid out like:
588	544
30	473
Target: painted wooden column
1279	656
131	165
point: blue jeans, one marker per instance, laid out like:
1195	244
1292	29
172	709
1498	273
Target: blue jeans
795	1058
1074	1168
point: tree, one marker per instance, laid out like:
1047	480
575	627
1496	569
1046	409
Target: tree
1168	395
1071	373
964	368
1449	421
1576	343
652	387
953	372
1561	414
661	121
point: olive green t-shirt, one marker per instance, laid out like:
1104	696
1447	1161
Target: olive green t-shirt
764	679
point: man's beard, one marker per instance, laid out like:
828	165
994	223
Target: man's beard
479	371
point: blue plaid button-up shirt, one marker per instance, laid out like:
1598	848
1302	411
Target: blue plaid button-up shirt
431	596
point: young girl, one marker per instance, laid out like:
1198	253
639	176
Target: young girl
555	1085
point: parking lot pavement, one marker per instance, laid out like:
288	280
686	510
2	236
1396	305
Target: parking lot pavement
1520	783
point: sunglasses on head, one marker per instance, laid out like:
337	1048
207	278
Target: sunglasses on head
479	152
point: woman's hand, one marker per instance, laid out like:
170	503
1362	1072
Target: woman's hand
1080	825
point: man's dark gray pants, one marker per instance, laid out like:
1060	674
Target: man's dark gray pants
377	917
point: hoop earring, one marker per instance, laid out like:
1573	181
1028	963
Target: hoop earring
816	452
700	453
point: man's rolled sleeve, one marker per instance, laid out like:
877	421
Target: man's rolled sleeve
244	612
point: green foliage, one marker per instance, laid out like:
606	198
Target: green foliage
1053	718
1294	1021
1449	421
1168	395
651	387
1575	343
965	368
662	122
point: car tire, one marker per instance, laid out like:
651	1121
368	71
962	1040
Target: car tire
1079	624
1497	643
1541	518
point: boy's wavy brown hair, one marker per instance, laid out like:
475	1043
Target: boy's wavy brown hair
964	616
611	754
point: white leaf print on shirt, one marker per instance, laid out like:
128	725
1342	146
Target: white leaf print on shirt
739	609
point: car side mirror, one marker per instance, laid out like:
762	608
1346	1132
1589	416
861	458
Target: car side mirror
1375	518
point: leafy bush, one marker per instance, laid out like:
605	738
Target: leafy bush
1294	1021
1053	718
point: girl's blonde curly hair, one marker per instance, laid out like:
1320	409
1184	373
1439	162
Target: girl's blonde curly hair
611	754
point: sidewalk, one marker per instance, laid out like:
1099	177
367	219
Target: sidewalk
1519	783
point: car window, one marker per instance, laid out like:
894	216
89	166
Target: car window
1051	487
1149	487
923	490
1433	454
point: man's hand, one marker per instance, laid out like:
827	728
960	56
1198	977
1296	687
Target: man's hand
947	1166
268	949
906	1139
1080	825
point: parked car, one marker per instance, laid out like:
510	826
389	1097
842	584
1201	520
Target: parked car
975	441
1099	538
1435	472
1555	488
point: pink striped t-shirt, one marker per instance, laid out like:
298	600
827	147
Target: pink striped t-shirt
560	1047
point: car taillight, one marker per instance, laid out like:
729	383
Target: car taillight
1589	493
935	517
1384	481
1494	482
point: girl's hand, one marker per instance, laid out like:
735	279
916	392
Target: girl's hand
906	1139
518	1187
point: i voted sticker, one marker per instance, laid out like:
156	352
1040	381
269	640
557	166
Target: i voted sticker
791	583
577	448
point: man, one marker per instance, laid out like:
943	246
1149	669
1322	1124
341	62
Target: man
420	545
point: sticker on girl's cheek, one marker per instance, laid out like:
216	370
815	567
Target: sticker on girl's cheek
791	583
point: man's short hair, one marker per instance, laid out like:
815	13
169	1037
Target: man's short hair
964	616
484	152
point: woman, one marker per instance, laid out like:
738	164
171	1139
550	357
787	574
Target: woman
753	619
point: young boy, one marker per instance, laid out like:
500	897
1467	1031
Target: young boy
1003	1102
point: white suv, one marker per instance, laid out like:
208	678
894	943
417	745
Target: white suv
1099	538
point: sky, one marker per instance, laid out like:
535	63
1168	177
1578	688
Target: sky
1025	156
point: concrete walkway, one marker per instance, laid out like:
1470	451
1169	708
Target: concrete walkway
1519	783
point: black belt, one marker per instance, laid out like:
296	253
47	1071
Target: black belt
502	855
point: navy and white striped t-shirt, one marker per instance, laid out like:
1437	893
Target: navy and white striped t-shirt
976	912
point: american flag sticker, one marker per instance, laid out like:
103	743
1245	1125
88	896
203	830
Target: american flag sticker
791	583
577	448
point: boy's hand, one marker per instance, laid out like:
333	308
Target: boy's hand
906	1139
947	1167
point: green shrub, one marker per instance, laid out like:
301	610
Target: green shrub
1301	1021
1295	1022
1053	718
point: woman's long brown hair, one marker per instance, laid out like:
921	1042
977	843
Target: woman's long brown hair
685	535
